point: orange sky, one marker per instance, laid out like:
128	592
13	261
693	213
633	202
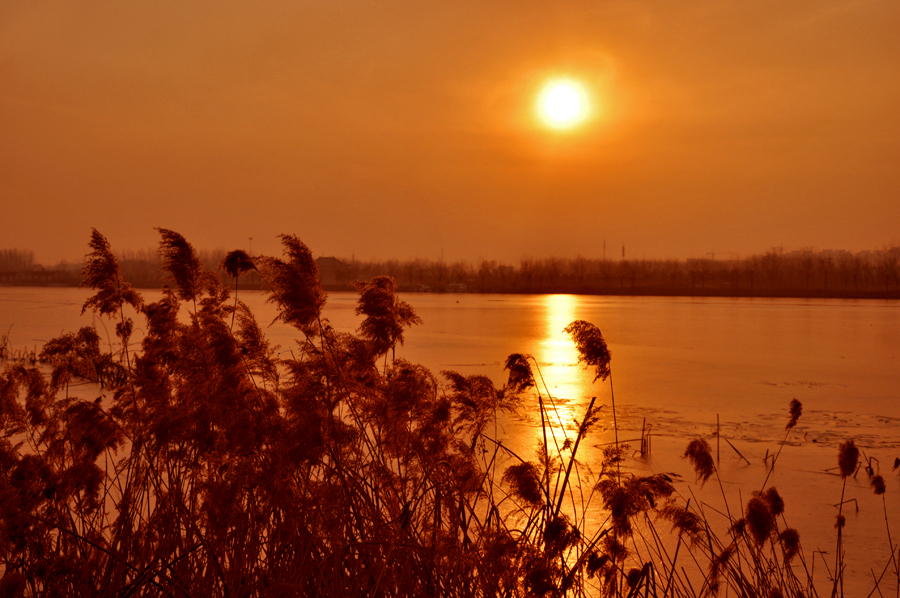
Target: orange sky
401	129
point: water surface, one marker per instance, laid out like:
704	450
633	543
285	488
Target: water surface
679	365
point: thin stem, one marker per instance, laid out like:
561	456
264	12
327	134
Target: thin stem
775	458
615	428
581	433
235	303
838	573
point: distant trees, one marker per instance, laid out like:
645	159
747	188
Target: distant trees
805	272
144	267
888	268
776	273
12	260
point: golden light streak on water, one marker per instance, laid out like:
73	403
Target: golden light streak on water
557	361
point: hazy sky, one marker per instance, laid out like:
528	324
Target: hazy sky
401	129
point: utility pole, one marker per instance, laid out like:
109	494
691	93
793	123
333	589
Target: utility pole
250	247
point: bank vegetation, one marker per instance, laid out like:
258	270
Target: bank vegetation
775	273
209	463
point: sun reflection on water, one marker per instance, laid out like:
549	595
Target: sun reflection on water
570	388
556	348
557	360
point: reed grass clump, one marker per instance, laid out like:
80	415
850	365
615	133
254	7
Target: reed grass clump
699	453
213	465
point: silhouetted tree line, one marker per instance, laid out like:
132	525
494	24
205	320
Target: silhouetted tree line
143	268
16	259
17	267
775	273
804	273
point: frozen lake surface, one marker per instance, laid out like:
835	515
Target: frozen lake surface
678	364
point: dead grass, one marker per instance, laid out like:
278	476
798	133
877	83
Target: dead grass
216	468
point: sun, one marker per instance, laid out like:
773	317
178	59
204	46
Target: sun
563	103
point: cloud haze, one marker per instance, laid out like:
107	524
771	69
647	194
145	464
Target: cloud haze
401	129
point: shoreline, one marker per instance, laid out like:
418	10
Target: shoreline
562	290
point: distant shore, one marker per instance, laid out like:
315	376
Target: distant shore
61	282
871	274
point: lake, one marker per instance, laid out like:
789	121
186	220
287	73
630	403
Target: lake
678	364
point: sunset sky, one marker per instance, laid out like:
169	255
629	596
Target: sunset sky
407	129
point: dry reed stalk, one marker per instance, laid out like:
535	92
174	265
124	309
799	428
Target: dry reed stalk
334	476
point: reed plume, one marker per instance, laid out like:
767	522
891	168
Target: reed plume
525	482
520	375
184	266
102	273
848	458
214	467
591	345
73	354
237	262
592	351
699	453
773	501
790	542
294	286
795	409
760	519
386	315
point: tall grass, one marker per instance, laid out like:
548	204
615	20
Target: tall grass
213	467
10	354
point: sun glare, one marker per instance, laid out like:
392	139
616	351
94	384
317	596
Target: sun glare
563	104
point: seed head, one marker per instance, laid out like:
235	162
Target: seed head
848	457
525	482
615	549
635	575
682	519
795	410
237	262
759	519
716	565
774	500
699	454
592	348
790	541
559	535
595	563
520	375
878	485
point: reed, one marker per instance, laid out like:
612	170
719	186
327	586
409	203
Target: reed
213	467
